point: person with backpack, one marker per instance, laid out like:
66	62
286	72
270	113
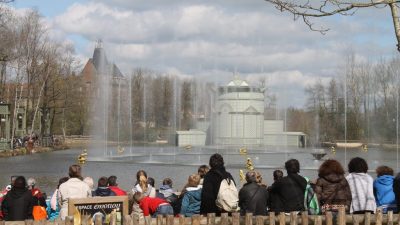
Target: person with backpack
290	189
253	197
216	176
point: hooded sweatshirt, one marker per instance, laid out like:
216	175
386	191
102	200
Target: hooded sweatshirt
17	205
333	189
191	201
383	189
361	186
166	190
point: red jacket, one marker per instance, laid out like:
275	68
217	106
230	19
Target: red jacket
149	205
118	191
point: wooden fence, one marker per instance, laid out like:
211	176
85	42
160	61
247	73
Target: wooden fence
235	219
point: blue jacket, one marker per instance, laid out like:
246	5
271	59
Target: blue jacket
383	190
191	201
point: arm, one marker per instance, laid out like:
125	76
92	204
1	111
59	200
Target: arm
144	205
318	190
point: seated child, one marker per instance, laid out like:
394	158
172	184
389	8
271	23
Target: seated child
153	206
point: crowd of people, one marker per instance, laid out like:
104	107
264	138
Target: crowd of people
212	190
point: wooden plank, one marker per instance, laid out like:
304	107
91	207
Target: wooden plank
390	217
147	220
127	220
282	218
3	222
14	222
113	218
357	219
318	220
379	217
328	218
98	219
293	218
259	220
210	219
30	222
170	220
135	219
341	220
159	220
86	220
271	218
304	218
181	220
69	220
235	218
248	219
196	219
367	218
224	219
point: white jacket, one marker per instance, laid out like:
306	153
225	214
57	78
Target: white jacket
362	192
73	188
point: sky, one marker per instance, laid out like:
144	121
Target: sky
211	40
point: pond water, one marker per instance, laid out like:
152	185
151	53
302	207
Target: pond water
173	162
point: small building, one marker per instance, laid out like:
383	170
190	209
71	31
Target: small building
4	126
190	138
274	135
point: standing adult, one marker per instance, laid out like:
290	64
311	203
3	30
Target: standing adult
290	189
211	184
361	186
332	188
73	188
253	197
18	203
383	189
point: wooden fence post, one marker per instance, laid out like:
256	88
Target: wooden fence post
170	220
356	219
390	218
293	218
159	220
147	220
135	219
282	218
2	222
30	222
328	218
211	219
341	220
271	218
235	218
224	219
318	220
379	217
69	220
259	220
367	218
85	220
182	220
98	219
113	218
304	218
196	219
127	220
248	219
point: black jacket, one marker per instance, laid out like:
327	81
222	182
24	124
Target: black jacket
17	205
103	192
209	193
396	189
290	192
253	199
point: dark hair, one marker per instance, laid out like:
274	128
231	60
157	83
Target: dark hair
112	181
251	176
358	165
292	166
216	160
139	173
75	171
330	166
203	169
150	181
102	182
384	170
62	180
20	183
278	174
167	181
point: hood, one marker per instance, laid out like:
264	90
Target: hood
194	192
165	187
386	180
102	191
334	178
17	193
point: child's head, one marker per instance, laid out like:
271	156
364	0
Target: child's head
137	197
193	180
167	181
278	174
203	169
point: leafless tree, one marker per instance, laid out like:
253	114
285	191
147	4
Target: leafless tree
306	9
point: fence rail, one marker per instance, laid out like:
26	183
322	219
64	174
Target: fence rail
235	219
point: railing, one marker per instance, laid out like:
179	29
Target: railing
235	219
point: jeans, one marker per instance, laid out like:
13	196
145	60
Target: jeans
164	210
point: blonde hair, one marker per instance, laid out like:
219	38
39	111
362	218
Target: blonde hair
143	183
193	180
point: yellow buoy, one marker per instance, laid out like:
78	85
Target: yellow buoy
242	176
249	164
243	151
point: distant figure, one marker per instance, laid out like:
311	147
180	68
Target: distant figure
290	189
39	198
274	201
153	206
211	185
192	196
383	189
361	186
102	189
203	169
18	202
53	209
332	188
113	185
253	197
73	188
